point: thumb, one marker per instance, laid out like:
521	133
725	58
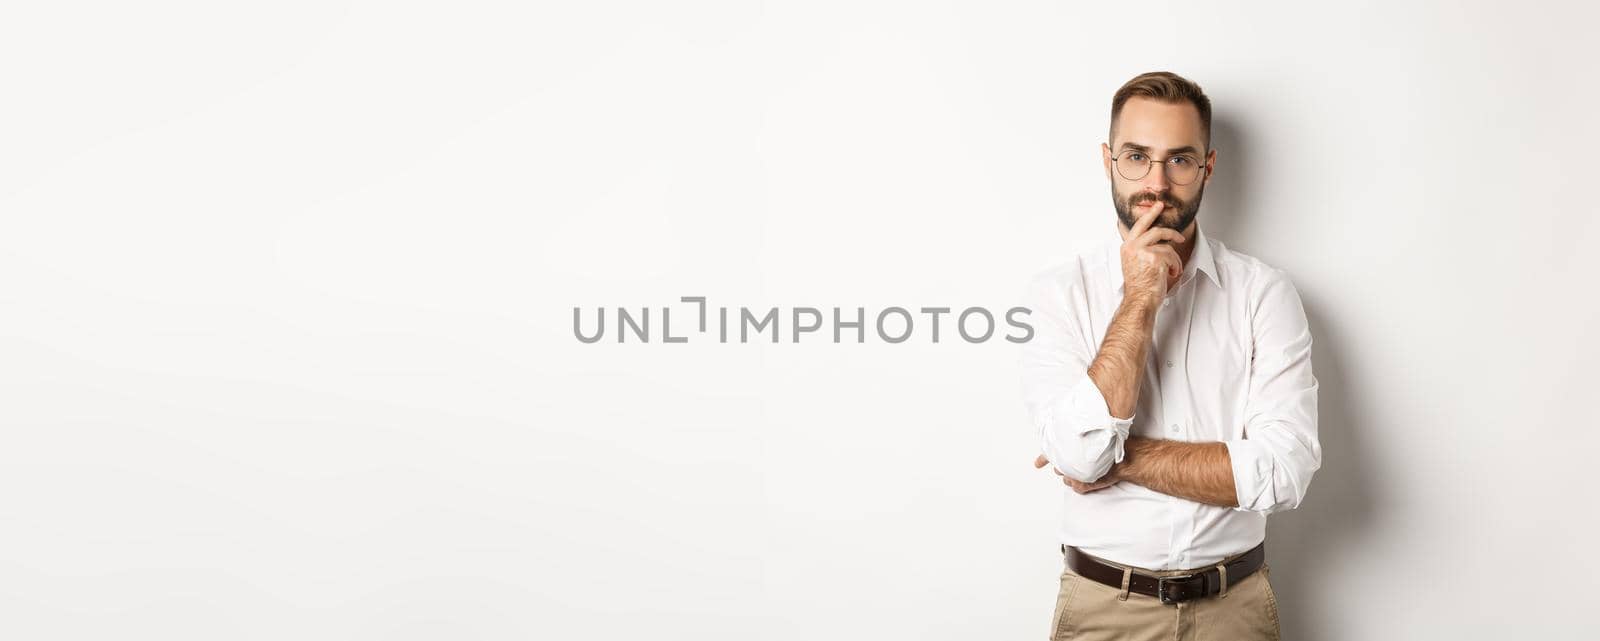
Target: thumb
1041	461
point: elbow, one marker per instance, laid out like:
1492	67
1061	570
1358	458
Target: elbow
1086	471
1290	494
1085	456
1269	481
1079	436
1271	502
1296	469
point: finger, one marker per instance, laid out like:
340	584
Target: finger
1096	486
1169	256
1040	461
1144	222
1159	235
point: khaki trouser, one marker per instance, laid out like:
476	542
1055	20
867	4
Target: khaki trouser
1090	611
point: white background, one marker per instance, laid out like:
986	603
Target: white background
286	296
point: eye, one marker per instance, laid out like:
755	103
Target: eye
1181	161
1136	156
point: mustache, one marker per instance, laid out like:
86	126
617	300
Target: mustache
1147	197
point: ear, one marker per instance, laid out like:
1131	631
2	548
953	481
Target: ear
1105	157
1211	165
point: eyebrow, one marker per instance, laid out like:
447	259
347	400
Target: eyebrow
1186	149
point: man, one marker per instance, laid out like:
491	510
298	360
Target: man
1170	383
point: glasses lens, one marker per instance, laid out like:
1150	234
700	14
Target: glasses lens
1182	169
1133	165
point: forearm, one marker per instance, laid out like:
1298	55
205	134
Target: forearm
1118	369
1199	472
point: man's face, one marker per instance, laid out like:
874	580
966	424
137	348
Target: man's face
1159	130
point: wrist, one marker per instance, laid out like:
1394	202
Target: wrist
1128	468
1119	473
1143	301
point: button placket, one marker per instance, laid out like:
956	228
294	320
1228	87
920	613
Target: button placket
1175	416
1160	337
1169	340
1175	380
1190	517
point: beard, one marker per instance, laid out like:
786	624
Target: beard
1175	216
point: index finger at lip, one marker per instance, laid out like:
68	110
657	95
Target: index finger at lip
1149	218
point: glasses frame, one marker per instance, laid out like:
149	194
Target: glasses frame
1200	161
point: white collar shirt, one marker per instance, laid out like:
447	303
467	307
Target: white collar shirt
1230	361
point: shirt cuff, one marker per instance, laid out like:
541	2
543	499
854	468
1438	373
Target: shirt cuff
1087	411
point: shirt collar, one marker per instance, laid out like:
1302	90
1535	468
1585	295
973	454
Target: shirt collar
1200	260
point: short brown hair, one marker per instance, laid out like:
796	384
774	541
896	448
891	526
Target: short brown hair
1164	86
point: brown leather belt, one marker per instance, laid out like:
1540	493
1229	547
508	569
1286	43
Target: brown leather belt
1171	589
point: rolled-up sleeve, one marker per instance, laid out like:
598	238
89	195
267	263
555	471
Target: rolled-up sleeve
1274	461
1076	431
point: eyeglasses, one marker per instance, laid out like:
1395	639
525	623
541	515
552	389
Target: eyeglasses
1133	164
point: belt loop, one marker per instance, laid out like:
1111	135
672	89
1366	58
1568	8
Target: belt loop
1222	570
1127	576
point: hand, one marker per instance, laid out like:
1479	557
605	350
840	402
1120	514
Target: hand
1150	265
1080	487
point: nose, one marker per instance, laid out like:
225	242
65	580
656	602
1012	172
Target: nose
1156	180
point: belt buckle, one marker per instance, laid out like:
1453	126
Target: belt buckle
1161	588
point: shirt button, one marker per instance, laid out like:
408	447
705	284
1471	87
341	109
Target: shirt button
1169	363
1166	302
1174	428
